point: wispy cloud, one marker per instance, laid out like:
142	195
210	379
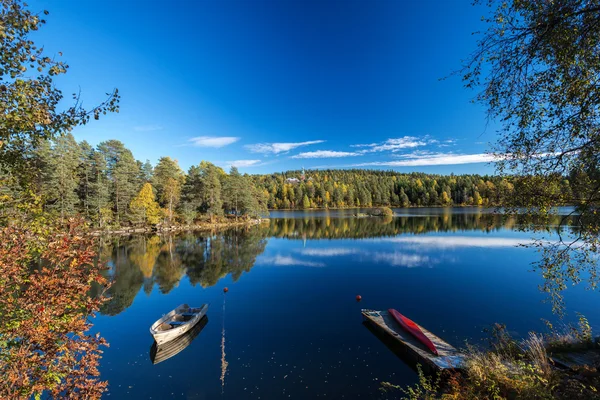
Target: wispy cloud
326	154
213	141
147	128
415	154
415	160
395	144
277	148
447	143
243	163
280	260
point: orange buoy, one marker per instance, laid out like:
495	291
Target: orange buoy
225	290
358	297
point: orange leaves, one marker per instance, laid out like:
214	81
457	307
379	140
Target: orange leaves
44	305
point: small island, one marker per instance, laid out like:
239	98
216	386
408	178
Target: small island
376	212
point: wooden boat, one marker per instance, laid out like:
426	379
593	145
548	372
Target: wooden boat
177	322
410	348
160	353
413	329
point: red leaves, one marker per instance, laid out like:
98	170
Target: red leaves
44	304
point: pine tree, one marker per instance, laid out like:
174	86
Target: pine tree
213	203
192	192
166	169
125	184
85	173
122	172
146	172
235	190
61	182
171	195
99	191
404	201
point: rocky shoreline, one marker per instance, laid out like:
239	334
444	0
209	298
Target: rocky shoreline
207	226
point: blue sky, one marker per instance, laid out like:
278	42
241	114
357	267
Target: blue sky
277	85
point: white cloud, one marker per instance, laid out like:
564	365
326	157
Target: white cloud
446	143
213	141
276	148
396	144
147	128
242	163
415	160
415	154
280	260
326	154
330	252
450	242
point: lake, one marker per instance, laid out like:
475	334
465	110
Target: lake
290	326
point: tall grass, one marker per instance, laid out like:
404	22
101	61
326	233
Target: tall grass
511	369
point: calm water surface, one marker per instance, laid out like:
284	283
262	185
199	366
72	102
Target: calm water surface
290	326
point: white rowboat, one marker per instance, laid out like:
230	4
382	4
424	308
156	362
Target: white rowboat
177	322
170	349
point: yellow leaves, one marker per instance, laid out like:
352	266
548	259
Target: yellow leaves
145	205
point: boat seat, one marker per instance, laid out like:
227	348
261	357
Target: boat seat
188	314
176	323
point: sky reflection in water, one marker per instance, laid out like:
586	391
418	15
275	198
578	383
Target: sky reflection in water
291	326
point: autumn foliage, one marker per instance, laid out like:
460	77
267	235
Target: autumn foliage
45	306
144	208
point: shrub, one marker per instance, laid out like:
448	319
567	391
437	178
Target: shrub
45	302
509	370
386	212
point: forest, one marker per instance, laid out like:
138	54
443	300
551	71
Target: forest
110	188
370	188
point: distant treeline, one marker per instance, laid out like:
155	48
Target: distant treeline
368	188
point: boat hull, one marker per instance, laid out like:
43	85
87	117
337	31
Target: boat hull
164	336
412	328
409	348
160	353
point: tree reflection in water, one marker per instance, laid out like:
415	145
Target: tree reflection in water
162	261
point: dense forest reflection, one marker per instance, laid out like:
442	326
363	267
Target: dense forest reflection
325	227
162	261
148	262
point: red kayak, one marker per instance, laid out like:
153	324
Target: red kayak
413	329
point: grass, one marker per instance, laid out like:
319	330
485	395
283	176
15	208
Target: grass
511	369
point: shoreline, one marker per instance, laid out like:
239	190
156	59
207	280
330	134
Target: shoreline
361	207
208	226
